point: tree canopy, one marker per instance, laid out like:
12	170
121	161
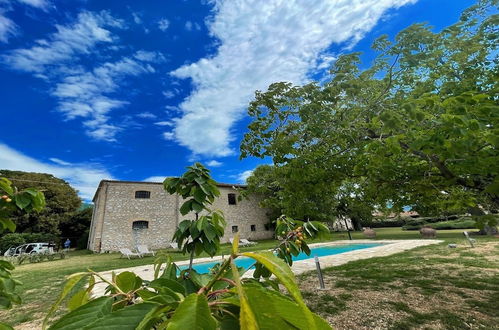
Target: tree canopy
62	202
418	127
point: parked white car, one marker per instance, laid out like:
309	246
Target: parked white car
30	248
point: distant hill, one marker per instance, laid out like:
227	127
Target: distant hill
85	206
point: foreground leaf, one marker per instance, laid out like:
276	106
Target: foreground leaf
84	314
193	313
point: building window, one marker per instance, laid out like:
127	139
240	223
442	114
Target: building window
140	224
232	199
253	227
142	194
235	229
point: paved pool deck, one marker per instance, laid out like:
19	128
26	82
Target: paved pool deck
387	248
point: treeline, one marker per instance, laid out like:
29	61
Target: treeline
65	216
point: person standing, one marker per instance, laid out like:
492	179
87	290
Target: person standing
67	244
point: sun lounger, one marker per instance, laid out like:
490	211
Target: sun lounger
244	241
144	250
127	253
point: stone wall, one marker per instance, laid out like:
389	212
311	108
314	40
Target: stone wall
116	209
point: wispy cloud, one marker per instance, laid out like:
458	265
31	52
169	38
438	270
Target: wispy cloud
146	115
87	94
163	24
84	177
82	92
156	178
190	26
7	27
40	4
62	46
214	163
259	45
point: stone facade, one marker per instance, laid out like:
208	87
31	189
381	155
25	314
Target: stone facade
122	220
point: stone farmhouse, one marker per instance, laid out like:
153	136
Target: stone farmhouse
131	213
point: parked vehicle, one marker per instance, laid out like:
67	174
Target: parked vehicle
30	248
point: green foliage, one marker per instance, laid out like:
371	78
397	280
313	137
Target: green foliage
61	201
418	127
199	191
76	226
464	223
185	299
12	200
221	299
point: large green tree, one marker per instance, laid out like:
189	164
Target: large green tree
419	126
62	202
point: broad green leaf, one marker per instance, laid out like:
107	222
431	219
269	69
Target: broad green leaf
6	186
284	274
71	282
235	244
247	319
128	281
127	318
8	224
78	299
168	283
22	200
85	314
186	207
193	313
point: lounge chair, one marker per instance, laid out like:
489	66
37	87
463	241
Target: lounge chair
242	242
127	253
174	245
245	242
470	240
144	250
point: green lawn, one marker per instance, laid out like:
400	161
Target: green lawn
42	282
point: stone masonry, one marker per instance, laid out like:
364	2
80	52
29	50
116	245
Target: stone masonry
121	220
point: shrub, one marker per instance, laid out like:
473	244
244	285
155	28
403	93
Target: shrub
462	223
10	240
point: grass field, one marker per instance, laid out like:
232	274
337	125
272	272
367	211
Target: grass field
42	281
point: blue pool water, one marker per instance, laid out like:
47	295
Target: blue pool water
322	251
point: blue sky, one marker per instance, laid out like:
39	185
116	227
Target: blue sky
137	90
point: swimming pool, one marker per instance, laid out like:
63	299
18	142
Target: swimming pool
322	251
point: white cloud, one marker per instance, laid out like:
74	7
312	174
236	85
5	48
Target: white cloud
146	115
243	176
168	94
136	18
63	45
163	24
169	136
156	178
164	123
59	161
84	177
7	28
261	44
214	163
41	4
189	26
86	93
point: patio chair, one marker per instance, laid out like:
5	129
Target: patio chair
144	250
174	245
241	243
470	240
245	242
125	252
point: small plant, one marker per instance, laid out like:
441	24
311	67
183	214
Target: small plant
186	299
11	200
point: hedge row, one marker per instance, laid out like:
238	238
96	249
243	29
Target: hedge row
463	223
402	221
